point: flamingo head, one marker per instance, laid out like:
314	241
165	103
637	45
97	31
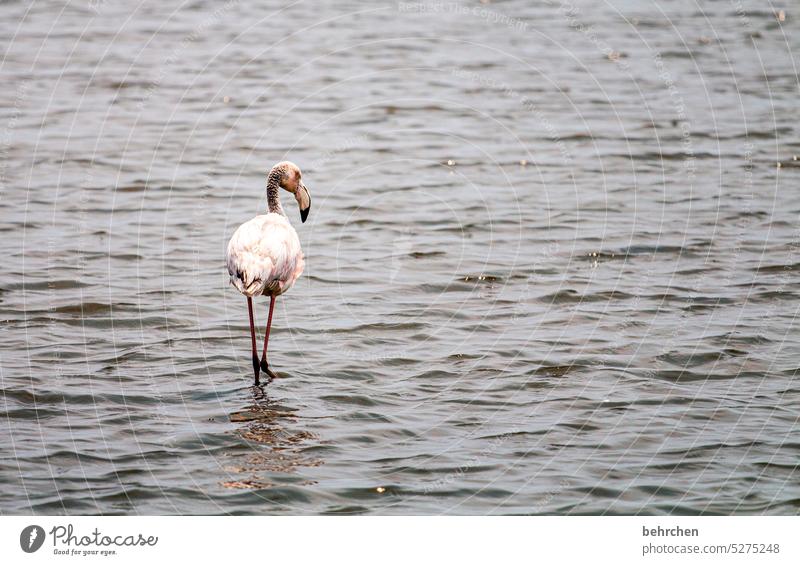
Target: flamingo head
291	179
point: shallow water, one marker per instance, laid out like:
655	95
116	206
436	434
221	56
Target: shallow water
552	263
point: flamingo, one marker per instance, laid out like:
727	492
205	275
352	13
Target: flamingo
264	254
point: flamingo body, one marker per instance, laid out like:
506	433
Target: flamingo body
264	256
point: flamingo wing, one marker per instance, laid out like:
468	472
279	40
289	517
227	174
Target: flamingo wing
264	256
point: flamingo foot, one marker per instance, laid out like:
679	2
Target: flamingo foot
266	369
255	368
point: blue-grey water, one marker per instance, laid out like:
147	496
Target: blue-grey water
552	259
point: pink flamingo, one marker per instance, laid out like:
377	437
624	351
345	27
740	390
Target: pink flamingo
264	254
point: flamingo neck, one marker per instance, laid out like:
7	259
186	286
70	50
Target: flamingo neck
273	186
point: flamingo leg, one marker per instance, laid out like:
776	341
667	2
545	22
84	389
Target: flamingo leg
264	364
253	338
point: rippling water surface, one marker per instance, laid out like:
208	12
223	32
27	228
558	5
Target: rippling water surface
552	258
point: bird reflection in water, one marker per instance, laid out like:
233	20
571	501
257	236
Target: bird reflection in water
275	445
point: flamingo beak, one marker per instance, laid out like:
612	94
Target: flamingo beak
303	201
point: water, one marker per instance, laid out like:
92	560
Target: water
552	262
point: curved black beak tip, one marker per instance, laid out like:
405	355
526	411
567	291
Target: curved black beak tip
304	214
